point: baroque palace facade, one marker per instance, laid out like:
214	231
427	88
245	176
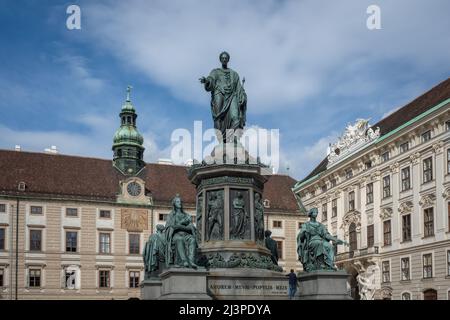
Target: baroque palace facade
74	227
385	189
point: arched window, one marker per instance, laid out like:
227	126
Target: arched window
119	152
406	296
430	294
352	234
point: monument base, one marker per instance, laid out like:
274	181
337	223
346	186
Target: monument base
247	284
184	284
151	289
323	285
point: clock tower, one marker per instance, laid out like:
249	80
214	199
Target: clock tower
127	146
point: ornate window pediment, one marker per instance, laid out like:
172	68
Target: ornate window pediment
446	193
427	200
405	207
386	213
352	217
354	137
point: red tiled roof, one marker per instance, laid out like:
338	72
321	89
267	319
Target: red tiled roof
48	175
416	107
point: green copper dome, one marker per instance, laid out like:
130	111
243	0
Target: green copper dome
128	142
128	134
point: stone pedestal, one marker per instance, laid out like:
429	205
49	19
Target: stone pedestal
151	289
230	217
247	284
323	285
184	284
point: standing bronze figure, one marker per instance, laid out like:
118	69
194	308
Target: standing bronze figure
228	98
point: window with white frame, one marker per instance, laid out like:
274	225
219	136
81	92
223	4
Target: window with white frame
34	277
162	217
105	242
2	277
324	212
404	147
385	156
106	214
406	227
71	241
134	241
351	201
70	278
370	235
426	136
333	183
104	279
2	238
386	271
428	220
405	269
2	207
134	279
333	208
348	173
277	224
447	125
36	210
386	186
448	160
369	193
427	266
387	232
448	262
427	169
35	240
71	212
406	178
406	296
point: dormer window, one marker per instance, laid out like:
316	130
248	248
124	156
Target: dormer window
22	186
266	203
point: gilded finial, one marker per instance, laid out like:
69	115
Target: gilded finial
128	92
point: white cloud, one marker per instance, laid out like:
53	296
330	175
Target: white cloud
287	51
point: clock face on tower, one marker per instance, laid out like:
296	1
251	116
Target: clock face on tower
134	189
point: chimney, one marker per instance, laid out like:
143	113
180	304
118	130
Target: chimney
165	161
17	148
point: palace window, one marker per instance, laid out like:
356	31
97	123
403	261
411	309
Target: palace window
35	240
3	207
427	266
348	173
385	156
134	279
369	193
406	179
105	243
406	296
406	227
386	271
280	249
448	213
428	219
105	214
162	217
324	212
386	186
404	147
405	268
36	210
324	188
447	125
387	232
334	208
34	278
71	241
300	224
134	243
426	136
427	169
448	164
368	164
104	279
351	201
2	275
71	212
2	238
277	224
448	262
370	236
352	237
70	279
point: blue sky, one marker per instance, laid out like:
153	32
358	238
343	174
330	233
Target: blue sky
310	67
